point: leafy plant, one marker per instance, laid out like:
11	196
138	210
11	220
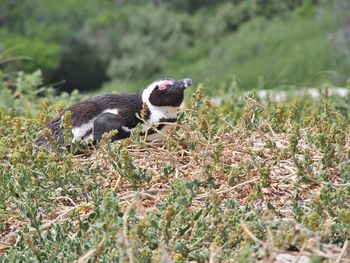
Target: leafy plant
247	185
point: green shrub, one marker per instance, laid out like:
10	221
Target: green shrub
243	179
29	53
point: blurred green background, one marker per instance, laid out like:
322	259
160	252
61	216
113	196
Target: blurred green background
120	46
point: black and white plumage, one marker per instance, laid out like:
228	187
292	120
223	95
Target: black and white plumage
93	117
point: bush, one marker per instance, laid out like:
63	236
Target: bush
30	53
243	179
82	46
266	54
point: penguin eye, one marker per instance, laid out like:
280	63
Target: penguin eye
165	84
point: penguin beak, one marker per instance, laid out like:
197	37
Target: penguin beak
183	84
187	82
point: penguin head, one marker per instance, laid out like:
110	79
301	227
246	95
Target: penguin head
166	92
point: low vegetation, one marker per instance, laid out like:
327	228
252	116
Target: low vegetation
236	180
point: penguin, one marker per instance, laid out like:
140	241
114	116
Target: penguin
93	117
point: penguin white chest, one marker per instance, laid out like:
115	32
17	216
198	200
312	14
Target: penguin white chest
159	115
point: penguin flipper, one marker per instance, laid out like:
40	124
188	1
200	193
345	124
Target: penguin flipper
107	122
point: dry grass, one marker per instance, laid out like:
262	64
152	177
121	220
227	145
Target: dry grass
255	166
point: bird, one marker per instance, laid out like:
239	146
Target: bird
93	117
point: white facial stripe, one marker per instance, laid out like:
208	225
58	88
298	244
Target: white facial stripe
147	92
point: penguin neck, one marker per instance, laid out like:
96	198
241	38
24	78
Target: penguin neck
161	112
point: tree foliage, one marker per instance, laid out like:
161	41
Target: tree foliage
90	43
